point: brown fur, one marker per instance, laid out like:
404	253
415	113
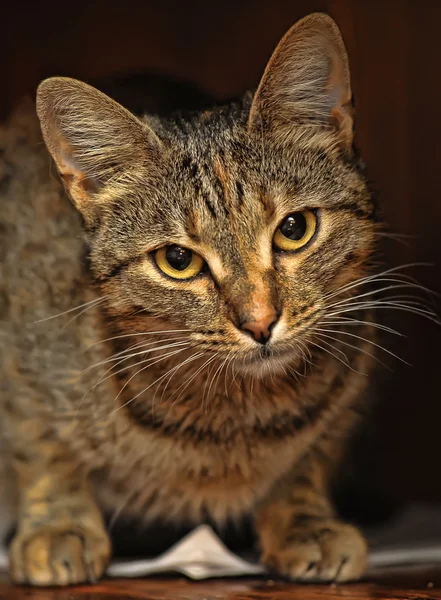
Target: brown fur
221	426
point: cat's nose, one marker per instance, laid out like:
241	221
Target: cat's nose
261	325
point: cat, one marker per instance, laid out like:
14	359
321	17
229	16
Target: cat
171	342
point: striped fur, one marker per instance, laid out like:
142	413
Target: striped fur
214	426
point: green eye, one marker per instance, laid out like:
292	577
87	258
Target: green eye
178	262
295	231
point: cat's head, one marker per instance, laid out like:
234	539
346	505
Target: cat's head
233	226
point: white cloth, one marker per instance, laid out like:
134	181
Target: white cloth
414	538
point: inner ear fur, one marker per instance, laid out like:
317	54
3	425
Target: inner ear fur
306	81
93	140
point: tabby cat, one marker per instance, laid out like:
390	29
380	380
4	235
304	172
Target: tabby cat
174	348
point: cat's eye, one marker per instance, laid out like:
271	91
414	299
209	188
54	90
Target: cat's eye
295	231
178	262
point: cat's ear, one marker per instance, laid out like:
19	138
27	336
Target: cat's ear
306	81
95	142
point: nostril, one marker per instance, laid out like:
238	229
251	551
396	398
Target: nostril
260	330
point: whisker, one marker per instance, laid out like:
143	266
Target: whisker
224	364
117	512
392	235
226	372
303	347
333	347
138	346
219	369
336	357
359	337
362	350
144	368
184	386
121	357
234	372
170	378
131	365
380	304
374	277
149	386
89	304
398	237
141	362
371	293
205	395
293	371
349	321
75	317
127	335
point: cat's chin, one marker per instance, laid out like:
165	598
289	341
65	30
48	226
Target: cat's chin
270	362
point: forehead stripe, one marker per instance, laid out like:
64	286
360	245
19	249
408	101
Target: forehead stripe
117	268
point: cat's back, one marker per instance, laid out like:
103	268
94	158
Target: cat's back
41	249
41	237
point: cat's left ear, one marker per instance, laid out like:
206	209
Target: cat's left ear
98	146
306	81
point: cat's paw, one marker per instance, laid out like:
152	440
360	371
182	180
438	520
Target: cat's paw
54	556
322	551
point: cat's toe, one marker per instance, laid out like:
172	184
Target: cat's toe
325	552
59	557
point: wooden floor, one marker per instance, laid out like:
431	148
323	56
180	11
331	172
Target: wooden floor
421	584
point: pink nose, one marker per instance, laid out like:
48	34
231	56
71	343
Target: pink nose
261	328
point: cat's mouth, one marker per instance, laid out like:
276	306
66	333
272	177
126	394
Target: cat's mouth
269	359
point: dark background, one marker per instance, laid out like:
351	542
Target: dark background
394	48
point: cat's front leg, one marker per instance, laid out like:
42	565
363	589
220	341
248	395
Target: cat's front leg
61	537
300	536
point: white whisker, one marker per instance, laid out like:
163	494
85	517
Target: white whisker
346	364
350	321
184	386
218	371
384	304
205	395
152	361
378	291
353	346
359	337
171	377
375	277
121	357
143	369
127	335
152	384
226	372
131	365
89	304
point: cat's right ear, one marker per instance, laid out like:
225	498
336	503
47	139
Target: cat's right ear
97	144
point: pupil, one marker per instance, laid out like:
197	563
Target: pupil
294	227
178	258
